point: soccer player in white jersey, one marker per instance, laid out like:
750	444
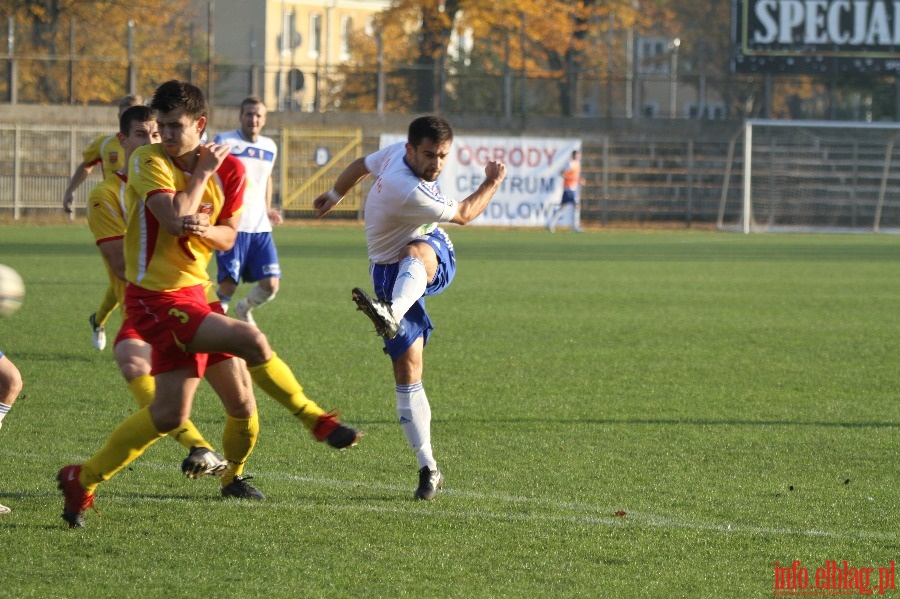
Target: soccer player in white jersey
410	257
253	259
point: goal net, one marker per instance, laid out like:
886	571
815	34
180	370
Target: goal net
812	176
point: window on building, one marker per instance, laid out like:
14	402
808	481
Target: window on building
460	47
346	32
711	110
653	55
650	109
288	32
315	35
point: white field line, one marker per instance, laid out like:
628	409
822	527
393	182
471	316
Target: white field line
584	514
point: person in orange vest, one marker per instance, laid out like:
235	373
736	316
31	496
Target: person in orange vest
569	203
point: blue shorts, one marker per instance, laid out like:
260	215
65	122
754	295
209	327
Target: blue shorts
416	322
252	258
568	197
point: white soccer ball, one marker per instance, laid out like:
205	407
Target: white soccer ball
12	290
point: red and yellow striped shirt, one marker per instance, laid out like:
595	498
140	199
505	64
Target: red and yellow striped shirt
154	259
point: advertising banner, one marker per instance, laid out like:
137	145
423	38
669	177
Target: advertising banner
533	186
827	37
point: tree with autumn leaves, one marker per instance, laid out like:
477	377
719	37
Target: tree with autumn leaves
78	51
417	42
494	58
82	51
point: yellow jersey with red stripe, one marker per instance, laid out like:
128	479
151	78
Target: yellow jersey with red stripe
106	208
106	151
106	218
154	259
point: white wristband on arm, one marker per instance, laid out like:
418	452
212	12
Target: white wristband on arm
334	196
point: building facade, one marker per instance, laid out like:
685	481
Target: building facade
282	51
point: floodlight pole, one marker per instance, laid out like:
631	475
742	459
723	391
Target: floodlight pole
673	78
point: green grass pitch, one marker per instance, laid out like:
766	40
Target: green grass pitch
734	399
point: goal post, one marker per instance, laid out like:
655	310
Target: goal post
812	176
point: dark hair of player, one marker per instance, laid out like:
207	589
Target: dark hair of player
135	114
180	94
433	128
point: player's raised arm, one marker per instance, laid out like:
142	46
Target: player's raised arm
472	206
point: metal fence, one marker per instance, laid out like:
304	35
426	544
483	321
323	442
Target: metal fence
629	177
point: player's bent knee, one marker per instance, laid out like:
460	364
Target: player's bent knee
270	286
252	346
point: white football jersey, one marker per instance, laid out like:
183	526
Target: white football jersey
259	160
400	206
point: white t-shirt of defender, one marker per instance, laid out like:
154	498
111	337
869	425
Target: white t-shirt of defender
400	206
259	159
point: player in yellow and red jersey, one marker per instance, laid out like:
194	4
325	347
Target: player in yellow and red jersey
107	151
183	199
107	219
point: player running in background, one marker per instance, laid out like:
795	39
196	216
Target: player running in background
106	151
569	202
253	259
410	257
10	387
183	200
106	218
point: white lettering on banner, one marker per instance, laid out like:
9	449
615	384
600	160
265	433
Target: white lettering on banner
827	22
532	189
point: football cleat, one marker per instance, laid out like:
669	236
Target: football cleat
202	461
76	499
241	489
430	482
4	509
242	312
330	430
379	312
99	340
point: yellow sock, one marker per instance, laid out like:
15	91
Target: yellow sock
276	379
144	388
238	440
109	303
128	441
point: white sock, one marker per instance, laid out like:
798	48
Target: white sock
412	279
224	300
258	296
4	410
414	412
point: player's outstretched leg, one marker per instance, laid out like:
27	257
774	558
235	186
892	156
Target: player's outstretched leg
333	432
276	379
379	312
